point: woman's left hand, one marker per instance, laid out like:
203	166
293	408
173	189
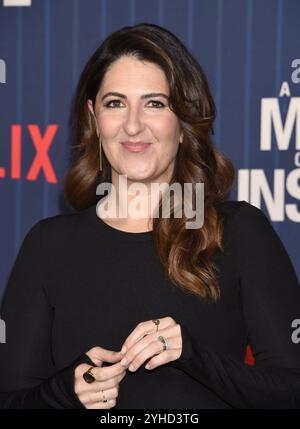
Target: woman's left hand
143	344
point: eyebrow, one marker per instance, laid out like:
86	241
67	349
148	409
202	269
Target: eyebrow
151	94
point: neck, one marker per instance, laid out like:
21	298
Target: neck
130	205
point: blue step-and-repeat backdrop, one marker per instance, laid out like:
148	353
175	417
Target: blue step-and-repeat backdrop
249	49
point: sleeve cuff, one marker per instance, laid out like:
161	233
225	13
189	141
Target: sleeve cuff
187	348
69	381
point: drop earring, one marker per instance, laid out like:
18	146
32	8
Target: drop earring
100	154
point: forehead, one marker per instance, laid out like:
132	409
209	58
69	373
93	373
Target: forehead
128	72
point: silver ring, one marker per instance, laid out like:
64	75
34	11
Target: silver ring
164	341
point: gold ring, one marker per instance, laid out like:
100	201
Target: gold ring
156	322
88	376
104	400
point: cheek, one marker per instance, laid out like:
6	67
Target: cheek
165	128
108	125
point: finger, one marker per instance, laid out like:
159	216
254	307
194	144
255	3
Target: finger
100	355
170	333
107	372
91	398
154	347
137	349
116	374
111	383
173	351
84	387
102	405
96	386
120	377
80	370
160	359
145	328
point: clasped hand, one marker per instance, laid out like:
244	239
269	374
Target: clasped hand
142	344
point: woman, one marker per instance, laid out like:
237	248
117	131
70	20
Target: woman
92	299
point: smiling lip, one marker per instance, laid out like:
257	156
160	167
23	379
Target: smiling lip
136	146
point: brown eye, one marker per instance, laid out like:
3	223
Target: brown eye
111	104
159	104
112	101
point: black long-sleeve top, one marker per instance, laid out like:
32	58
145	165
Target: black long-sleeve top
78	283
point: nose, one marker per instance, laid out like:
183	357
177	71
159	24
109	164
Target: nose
133	122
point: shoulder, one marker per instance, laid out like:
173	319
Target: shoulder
64	222
54	231
248	226
253	233
243	213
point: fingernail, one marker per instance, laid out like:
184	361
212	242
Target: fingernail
123	350
131	368
124	362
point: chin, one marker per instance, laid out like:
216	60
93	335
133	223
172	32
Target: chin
138	178
136	175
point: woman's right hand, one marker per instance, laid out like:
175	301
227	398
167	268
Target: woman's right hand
107	379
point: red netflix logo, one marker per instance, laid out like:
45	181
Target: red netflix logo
41	161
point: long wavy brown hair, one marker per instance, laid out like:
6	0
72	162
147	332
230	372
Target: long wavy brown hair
186	254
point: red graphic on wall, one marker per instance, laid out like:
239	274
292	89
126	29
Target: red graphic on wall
41	162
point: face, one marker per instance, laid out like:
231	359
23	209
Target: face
132	118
